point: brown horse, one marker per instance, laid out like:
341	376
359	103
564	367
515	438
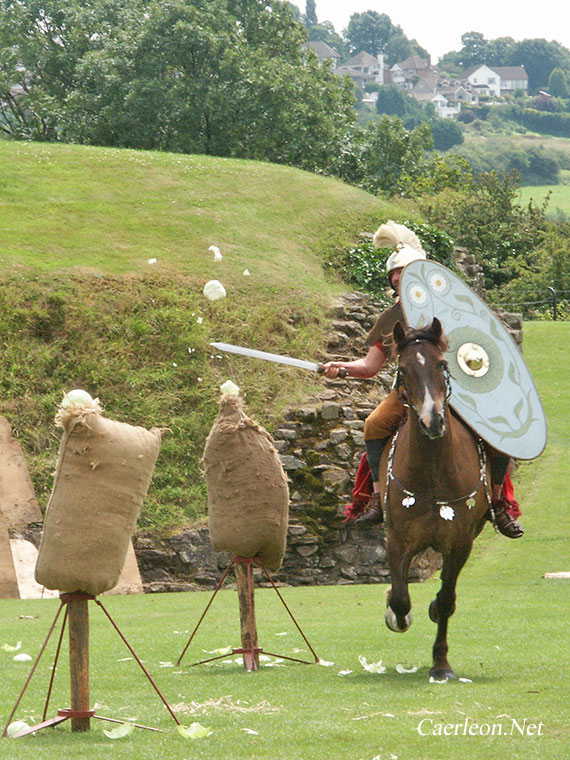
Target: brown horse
436	484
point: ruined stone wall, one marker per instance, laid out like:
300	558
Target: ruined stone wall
320	445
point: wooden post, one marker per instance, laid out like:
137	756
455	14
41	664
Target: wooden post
78	621
244	579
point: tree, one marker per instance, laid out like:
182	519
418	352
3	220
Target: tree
499	51
325	32
558	84
398	48
474	50
311	13
393	157
369	31
484	216
203	76
391	101
539	58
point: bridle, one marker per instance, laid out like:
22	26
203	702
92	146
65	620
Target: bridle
399	381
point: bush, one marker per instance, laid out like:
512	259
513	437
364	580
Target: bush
446	133
364	265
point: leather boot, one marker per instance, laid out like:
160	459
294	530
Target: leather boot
373	514
505	523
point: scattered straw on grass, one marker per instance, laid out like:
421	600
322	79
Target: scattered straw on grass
226	703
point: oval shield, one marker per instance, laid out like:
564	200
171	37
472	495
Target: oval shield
492	389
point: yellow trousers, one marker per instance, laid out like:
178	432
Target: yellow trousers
385	419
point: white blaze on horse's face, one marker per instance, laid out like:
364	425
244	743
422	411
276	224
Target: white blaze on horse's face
431	408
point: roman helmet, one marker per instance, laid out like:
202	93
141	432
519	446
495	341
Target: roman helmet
407	245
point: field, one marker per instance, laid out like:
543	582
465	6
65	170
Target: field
508	646
558	204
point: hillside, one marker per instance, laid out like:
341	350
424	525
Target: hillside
83	307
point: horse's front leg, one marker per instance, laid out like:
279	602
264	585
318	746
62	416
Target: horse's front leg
442	607
398	612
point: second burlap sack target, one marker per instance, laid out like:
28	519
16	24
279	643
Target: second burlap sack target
248	496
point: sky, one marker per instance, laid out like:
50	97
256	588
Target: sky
438	25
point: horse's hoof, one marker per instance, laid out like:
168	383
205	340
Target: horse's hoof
392	621
441	674
433	614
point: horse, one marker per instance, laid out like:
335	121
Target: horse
436	474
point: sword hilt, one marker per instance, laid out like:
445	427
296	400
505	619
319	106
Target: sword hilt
342	372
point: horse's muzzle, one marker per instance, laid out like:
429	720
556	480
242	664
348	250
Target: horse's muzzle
436	426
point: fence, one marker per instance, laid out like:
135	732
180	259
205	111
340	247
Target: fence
554	304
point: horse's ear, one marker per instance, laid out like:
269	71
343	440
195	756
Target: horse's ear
436	328
399	336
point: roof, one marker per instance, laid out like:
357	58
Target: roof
505	72
423	86
322	49
362	59
511	72
413	62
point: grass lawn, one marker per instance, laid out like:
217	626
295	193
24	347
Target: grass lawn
509	637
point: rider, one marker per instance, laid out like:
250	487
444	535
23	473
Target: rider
383	422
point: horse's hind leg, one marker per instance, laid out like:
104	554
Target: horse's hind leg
442	607
398	612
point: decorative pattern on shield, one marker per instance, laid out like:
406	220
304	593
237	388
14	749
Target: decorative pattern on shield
492	388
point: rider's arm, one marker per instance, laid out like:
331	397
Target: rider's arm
368	366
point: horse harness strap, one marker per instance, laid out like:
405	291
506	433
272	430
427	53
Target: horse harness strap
445	508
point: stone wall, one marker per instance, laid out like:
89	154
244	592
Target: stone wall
320	445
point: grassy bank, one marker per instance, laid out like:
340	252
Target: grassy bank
83	307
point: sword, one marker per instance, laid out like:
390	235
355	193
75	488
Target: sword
274	358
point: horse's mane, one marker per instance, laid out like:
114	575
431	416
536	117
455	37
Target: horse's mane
439	340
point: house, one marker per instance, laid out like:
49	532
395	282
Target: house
512	78
413	65
323	51
444	108
406	73
497	81
483	80
398	77
363	68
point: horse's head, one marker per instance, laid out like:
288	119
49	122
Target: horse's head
423	376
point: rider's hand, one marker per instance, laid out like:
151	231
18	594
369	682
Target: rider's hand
331	369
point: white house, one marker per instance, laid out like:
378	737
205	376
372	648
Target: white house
445	109
484	80
496	81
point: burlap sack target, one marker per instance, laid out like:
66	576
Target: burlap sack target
103	472
248	497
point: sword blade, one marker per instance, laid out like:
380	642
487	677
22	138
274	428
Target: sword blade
301	363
